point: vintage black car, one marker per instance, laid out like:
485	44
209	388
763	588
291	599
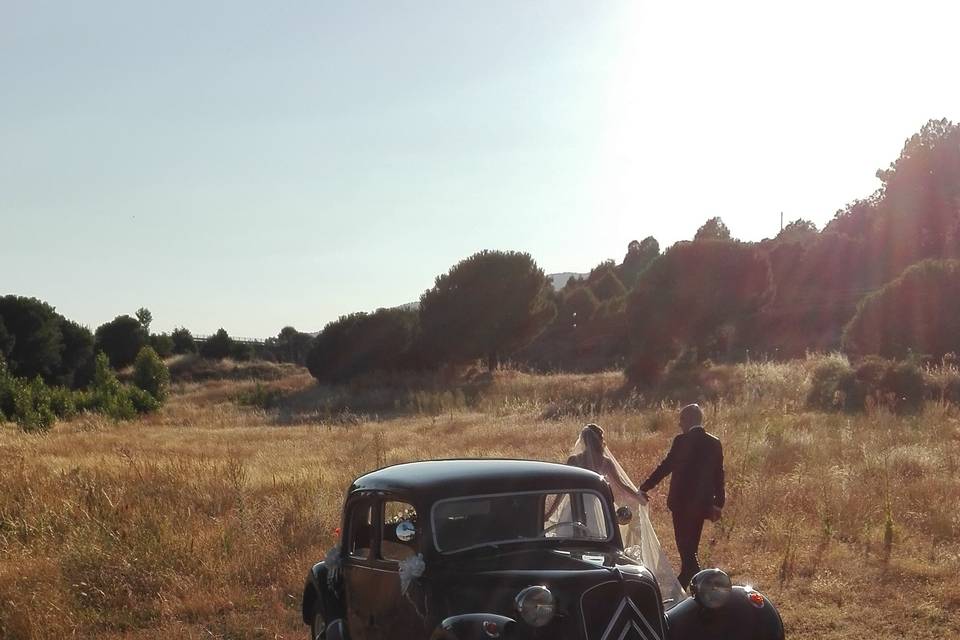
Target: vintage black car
479	549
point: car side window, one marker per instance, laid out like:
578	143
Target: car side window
360	530
395	547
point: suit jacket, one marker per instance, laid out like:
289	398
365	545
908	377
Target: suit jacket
696	462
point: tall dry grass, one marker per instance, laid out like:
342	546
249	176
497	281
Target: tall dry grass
201	521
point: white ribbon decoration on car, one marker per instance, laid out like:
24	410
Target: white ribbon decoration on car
411	569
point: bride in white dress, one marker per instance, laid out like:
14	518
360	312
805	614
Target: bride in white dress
639	539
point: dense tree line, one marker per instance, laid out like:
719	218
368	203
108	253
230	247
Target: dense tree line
714	297
880	278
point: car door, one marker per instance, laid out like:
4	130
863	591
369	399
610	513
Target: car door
397	609
361	586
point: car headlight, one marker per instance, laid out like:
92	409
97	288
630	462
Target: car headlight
711	588
536	605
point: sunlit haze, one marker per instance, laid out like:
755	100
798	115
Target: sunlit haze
252	165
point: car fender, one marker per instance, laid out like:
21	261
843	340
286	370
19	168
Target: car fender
317	592
470	626
738	618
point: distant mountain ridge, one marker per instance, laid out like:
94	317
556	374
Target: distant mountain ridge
559	280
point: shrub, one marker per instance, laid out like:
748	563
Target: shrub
831	382
904	385
162	343
899	385
141	400
241	351
183	341
686	380
32	406
115	400
218	346
63	402
151	374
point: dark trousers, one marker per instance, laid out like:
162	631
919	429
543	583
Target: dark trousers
687	529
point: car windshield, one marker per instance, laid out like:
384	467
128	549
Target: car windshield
477	521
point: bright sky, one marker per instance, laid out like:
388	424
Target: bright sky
252	164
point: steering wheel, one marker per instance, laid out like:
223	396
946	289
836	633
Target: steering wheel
578	525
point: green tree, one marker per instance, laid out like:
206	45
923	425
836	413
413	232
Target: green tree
218	346
121	339
713	229
608	287
291	345
363	343
917	313
144	317
486	306
639	256
6	340
695	296
34	339
816	287
151	374
915	214
799	230
577	307
76	359
183	341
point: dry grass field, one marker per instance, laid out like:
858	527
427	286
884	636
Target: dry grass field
201	521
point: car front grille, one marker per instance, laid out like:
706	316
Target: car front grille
624	609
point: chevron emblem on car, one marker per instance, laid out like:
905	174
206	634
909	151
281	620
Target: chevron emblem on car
628	623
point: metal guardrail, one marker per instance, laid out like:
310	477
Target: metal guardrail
250	341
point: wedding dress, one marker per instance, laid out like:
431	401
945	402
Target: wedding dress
640	541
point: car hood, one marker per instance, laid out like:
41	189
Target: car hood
501	561
490	582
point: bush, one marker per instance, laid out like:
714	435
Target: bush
183	341
901	386
151	374
162	344
686	380
141	400
241	351
32	406
832	381
63	402
904	386
115	400
218	346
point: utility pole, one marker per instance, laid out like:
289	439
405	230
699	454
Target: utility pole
781	221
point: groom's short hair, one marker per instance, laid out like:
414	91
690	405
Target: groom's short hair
691	415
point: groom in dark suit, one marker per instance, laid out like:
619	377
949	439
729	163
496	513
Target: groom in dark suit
696	488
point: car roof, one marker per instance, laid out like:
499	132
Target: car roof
437	479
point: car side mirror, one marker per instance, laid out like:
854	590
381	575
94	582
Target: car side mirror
624	515
406	531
